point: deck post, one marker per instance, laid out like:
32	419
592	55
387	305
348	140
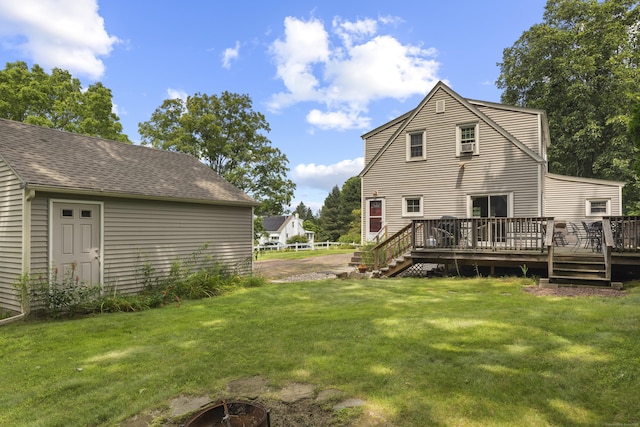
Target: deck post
548	242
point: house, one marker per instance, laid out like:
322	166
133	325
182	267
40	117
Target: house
452	156
281	228
108	207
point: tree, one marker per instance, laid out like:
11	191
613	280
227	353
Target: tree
581	65
304	212
227	134
349	201
634	134
330	226
337	213
57	101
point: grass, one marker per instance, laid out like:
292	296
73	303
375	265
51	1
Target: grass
447	352
291	254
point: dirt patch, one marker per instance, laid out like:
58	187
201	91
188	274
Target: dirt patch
283	268
575	292
294	404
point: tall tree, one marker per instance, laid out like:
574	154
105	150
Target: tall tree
228	135
57	101
349	201
305	213
330	226
581	65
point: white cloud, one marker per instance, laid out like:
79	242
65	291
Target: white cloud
325	177
67	34
347	69
340	120
229	54
177	94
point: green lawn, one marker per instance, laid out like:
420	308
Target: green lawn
446	352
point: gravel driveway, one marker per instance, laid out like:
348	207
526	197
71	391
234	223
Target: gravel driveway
314	267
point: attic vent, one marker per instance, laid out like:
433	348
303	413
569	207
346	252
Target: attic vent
440	106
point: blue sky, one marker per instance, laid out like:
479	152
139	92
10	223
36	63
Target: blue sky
323	73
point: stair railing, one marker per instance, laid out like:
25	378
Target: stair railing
398	244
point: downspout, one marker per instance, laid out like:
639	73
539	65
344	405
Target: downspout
29	195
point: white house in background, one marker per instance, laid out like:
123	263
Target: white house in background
282	228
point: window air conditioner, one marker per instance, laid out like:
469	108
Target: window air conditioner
467	147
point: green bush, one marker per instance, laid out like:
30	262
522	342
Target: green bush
194	278
298	238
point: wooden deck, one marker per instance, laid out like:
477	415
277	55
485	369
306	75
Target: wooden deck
567	257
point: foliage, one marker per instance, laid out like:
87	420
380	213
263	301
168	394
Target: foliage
228	135
198	276
57	101
337	216
419	352
298	238
330	226
56	295
304	212
581	65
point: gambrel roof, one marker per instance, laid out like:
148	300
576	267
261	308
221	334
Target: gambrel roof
51	160
472	106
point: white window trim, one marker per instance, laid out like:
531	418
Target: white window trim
476	145
424	146
404	206
589	213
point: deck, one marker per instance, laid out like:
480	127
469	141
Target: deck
568	255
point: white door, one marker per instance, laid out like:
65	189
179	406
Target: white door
75	245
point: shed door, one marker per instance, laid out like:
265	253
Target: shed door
76	241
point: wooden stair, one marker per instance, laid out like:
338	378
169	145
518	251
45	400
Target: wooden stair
397	265
575	270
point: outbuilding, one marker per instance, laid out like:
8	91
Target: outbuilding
104	209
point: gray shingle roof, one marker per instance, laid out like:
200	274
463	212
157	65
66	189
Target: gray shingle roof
273	223
62	161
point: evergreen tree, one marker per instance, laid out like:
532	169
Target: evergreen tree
330	226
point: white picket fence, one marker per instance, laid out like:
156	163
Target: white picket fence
303	246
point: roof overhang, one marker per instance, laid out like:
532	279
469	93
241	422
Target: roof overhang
98	193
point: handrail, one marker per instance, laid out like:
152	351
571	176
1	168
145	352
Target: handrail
392	247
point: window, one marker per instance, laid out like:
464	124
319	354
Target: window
598	207
416	146
490	206
412	206
467	139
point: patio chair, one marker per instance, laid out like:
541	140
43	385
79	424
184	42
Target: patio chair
580	236
444	238
593	237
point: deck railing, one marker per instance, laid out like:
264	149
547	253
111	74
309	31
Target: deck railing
625	233
493	234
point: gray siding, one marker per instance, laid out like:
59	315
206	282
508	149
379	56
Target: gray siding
136	232
39	234
374	143
562	207
11	196
499	168
523	126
